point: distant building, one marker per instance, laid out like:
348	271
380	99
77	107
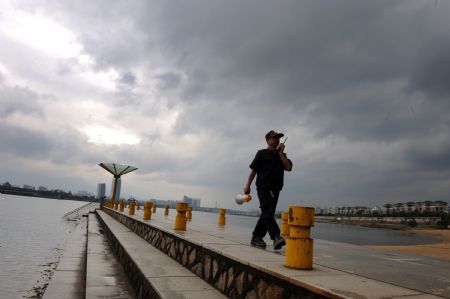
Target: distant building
193	202
376	210
42	188
161	203
420	207
101	190
83	193
7	185
348	210
320	211
28	187
332	210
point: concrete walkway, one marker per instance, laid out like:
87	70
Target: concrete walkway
348	270
68	280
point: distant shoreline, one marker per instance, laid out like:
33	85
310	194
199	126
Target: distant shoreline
400	223
34	194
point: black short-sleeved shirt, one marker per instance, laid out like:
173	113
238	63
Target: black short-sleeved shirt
269	170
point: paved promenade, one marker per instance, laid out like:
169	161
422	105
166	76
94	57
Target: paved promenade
342	269
426	274
68	281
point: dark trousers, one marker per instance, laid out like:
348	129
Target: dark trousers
266	222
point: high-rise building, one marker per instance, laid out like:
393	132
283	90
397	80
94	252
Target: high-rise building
193	202
101	190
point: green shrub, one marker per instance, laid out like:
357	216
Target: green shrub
412	223
444	222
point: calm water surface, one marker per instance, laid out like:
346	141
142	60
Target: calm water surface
32	234
334	232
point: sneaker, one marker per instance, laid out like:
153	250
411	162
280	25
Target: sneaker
258	242
278	242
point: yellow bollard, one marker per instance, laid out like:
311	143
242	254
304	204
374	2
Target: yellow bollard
284	225
116	205
121	206
299	245
148	210
222	216
189	213
180	219
131	208
166	210
154	208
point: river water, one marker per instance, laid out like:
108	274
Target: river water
33	233
352	234
32	236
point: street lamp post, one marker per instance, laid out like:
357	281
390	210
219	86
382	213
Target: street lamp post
117	170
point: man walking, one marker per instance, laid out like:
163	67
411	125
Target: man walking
268	166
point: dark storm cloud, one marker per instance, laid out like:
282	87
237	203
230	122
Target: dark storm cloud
308	61
67	66
433	157
128	78
18	99
351	43
382	114
23	142
168	81
61	147
431	71
331	184
247	44
125	94
372	72
300	54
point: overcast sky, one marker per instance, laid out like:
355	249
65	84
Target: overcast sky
186	91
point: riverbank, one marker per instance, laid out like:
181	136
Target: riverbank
399	226
385	222
439	250
41	195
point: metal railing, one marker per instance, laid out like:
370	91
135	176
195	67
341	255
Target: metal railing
138	203
80	210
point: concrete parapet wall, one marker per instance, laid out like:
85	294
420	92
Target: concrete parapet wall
141	285
232	278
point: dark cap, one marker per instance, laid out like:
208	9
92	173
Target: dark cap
272	133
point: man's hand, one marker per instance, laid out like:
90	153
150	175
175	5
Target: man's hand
246	189
251	176
286	164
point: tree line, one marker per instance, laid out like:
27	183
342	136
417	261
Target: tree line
7	188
